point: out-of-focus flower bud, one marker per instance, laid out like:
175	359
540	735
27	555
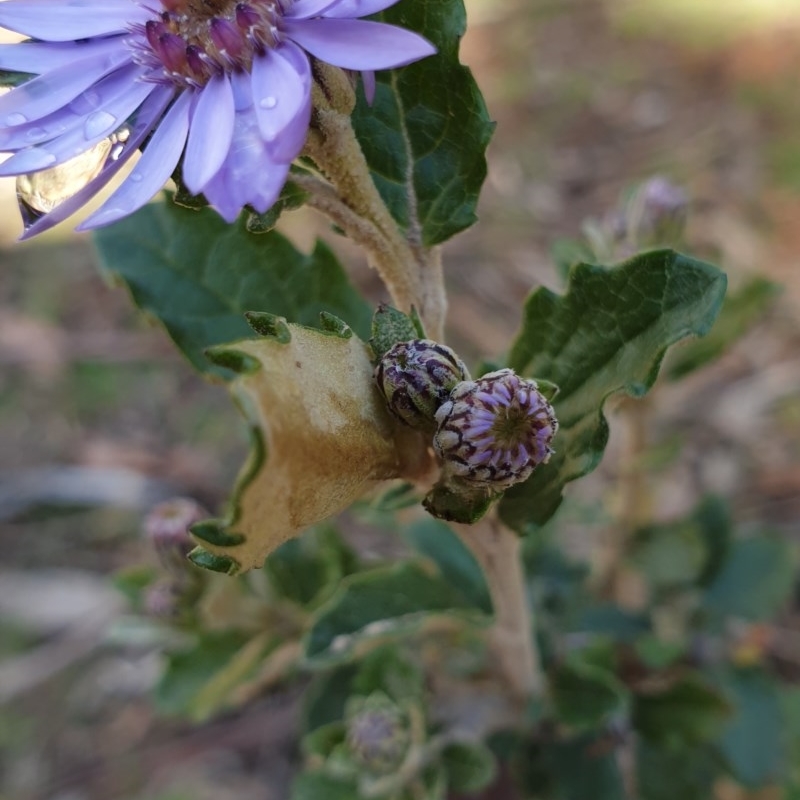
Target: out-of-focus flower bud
494	431
416	377
167	527
377	734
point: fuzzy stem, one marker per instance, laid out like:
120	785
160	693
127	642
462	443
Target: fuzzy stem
412	274
497	550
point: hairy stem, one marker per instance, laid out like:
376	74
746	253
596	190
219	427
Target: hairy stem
497	550
412	274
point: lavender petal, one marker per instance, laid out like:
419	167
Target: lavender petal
279	91
70	20
121	95
42	95
358	44
41	57
147	117
304	9
152	170
357	8
210	133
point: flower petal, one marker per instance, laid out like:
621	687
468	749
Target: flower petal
248	174
304	9
147	117
368	82
42	95
358	44
152	170
280	94
210	133
70	20
40	57
356	8
111	102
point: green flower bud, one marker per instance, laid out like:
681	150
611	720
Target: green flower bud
416	377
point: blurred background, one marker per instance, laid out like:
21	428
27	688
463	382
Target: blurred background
100	418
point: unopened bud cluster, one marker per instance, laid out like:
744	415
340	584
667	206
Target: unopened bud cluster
489	433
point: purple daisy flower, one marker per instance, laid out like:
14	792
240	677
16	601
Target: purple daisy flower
494	431
226	84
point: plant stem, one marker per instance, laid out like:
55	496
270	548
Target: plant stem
497	550
412	273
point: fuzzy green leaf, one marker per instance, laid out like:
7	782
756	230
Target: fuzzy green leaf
586	696
387	601
425	135
198	275
608	334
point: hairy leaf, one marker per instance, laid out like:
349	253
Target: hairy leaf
321	436
425	135
608	334
198	275
385	601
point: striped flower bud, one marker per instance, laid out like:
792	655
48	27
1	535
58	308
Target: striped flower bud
416	377
492	432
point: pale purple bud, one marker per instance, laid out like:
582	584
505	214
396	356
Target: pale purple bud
494	431
377	735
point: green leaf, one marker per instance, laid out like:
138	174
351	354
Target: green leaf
319	786
753	741
198	275
669	555
741	310
676	775
608	334
687	713
454	560
389	672
586	768
387	601
304	570
470	767
425	135
390	327
325	699
189	671
586	696
754	582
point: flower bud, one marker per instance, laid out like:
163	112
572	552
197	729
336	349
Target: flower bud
167	527
416	377
377	735
492	432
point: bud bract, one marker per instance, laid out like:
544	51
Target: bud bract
377	734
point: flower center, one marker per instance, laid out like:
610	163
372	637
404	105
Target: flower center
513	426
191	41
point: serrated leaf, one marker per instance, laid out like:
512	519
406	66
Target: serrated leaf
753	740
688	713
586	696
198	275
454	560
387	601
753	582
322	437
608	334
425	135
740	311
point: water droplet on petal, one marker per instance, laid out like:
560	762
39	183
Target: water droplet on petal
36	133
98	123
16	119
135	177
268	102
92	98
